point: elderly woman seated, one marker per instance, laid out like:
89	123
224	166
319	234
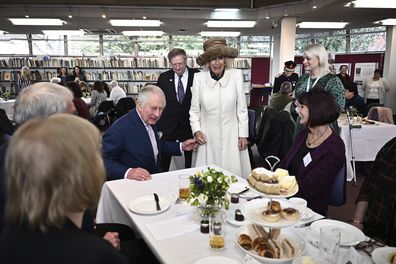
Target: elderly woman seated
55	173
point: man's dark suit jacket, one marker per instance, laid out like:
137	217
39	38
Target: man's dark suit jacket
175	120
126	144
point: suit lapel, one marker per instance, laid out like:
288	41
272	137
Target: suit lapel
144	134
171	85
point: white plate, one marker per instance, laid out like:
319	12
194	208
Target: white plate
291	235
238	187
252	211
216	260
350	235
274	195
307	214
231	219
382	255
146	204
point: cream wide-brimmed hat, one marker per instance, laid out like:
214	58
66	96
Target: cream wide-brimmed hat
216	47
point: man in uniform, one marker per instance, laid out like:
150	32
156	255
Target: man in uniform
287	75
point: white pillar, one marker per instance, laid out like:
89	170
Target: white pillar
284	46
390	67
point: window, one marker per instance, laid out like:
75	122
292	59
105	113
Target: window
47	45
368	39
86	45
255	46
118	45
14	44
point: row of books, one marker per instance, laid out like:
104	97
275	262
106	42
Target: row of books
135	62
91	76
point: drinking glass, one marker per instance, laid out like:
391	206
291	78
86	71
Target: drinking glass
184	187
217	231
329	244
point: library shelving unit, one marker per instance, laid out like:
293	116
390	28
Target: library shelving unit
132	73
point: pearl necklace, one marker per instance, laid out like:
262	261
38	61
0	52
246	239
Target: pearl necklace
321	135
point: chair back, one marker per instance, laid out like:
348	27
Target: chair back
381	114
124	105
105	106
338	189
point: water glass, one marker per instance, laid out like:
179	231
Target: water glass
217	227
329	244
184	187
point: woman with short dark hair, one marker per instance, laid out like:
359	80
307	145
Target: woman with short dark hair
318	152
81	107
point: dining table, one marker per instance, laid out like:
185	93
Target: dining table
173	234
363	140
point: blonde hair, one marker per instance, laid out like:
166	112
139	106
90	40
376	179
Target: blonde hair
54	167
25	72
318	51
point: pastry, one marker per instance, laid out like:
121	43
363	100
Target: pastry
278	182
290	214
251	180
271	216
268	188
280	173
239	216
262	174
259	241
245	241
288	249
392	258
288	184
274	206
265	250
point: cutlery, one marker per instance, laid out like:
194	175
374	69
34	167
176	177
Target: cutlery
255	197
243	191
308	223
157	202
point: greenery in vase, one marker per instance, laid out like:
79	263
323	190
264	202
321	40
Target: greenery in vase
209	188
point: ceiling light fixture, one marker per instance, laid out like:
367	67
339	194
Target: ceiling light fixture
388	22
220	33
104	13
142	33
230	24
373	4
27	16
63	32
37	21
227	10
2	32
135	23
336	25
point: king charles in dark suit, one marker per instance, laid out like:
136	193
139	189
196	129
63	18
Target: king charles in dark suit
132	147
175	120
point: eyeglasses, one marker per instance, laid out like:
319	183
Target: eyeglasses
370	245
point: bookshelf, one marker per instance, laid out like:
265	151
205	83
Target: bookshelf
132	73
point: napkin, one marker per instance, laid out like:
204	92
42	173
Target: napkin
312	237
173	227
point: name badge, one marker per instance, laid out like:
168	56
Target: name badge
307	159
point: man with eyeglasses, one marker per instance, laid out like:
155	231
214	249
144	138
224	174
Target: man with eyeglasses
175	120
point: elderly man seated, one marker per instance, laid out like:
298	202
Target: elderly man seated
132	145
280	100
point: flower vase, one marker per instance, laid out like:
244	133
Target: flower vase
206	210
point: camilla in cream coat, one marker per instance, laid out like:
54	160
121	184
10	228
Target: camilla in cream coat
218	113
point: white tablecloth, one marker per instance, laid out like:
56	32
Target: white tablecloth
187	248
367	141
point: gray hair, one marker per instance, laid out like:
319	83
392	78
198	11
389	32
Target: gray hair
147	91
41	100
113	83
318	51
55	80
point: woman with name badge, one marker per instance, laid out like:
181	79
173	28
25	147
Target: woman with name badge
318	152
319	76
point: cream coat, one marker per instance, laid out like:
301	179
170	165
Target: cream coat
218	109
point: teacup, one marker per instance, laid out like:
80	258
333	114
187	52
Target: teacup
299	203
